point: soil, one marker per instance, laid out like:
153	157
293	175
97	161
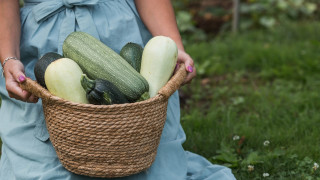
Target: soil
205	16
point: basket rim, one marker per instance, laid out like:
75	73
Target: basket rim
163	94
56	99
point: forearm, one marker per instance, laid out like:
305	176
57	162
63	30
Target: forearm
159	17
9	29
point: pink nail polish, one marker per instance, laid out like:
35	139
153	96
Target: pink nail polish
22	78
190	69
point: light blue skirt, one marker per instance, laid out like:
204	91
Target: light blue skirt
27	153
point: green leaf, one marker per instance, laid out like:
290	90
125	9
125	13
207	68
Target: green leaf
283	5
309	8
238	100
184	21
252	159
267	22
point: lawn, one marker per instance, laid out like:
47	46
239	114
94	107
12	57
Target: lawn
254	105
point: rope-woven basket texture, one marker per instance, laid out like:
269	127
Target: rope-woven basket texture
106	140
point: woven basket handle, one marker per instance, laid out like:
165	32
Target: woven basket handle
35	88
175	82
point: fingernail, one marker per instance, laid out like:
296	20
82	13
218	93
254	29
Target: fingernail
22	78
190	69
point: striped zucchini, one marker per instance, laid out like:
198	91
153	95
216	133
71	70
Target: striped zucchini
99	61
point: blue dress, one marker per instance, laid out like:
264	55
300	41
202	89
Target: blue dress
27	153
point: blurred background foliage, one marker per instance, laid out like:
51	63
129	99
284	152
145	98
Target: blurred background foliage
202	18
268	13
198	19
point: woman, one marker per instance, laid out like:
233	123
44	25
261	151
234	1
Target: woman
40	27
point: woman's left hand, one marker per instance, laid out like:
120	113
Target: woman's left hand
183	57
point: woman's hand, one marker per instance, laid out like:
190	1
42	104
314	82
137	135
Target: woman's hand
14	74
183	57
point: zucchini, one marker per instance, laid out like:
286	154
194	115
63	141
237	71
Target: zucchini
42	64
62	78
132	53
159	59
99	61
101	91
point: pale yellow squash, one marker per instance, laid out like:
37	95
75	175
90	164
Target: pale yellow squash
159	59
62	78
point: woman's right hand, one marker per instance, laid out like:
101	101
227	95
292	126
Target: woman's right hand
14	74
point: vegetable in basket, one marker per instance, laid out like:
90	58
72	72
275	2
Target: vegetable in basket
159	59
62	78
132	53
101	91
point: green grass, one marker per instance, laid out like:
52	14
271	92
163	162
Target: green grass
258	85
288	52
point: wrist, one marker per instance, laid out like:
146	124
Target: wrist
8	59
7	52
178	41
5	61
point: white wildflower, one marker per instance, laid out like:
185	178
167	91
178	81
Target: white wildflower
236	137
265	174
315	166
250	168
266	143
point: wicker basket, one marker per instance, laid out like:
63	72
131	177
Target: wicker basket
106	140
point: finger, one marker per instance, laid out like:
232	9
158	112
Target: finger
18	74
16	92
187	60
21	78
11	95
176	68
33	99
189	65
189	77
28	97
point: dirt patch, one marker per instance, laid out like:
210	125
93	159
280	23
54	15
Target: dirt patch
211	15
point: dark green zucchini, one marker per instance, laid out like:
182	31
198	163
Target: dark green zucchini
42	64
132	53
101	91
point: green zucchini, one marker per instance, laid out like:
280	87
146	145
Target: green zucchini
99	61
42	64
101	91
132	53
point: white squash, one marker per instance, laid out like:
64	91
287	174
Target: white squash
62	78
159	59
